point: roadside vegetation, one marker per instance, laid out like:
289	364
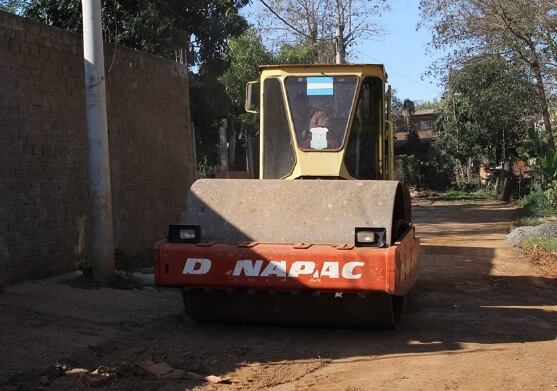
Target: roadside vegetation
482	193
547	244
543	252
537	204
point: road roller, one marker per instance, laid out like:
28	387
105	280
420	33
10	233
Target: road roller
324	237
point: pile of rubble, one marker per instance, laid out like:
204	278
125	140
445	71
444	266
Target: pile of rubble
519	235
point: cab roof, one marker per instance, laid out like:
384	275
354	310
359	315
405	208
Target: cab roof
363	69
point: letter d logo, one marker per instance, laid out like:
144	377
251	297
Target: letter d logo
197	266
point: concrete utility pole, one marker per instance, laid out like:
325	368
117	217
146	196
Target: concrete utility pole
340	45
340	49
101	249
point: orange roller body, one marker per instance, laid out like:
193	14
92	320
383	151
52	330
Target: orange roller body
276	266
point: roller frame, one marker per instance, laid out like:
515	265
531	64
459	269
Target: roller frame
367	269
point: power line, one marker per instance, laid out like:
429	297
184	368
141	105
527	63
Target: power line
403	74
416	81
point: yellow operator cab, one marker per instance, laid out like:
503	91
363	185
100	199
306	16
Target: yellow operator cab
324	121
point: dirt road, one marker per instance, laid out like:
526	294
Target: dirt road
481	317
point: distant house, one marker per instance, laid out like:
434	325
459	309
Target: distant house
424	123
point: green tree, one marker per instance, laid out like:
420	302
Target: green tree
542	159
294	54
202	27
427	105
246	53
521	31
489	105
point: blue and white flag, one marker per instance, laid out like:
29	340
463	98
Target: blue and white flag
320	86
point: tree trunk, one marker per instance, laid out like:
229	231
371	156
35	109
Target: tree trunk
313	42
543	101
223	149
231	143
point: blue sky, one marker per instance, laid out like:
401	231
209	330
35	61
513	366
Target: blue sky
402	49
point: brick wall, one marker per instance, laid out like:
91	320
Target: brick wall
43	148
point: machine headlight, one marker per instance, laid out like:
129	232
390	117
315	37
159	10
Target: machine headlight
179	233
370	237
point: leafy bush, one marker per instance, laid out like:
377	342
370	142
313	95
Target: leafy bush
537	203
540	156
551	193
480	193
206	169
433	174
485	192
546	243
